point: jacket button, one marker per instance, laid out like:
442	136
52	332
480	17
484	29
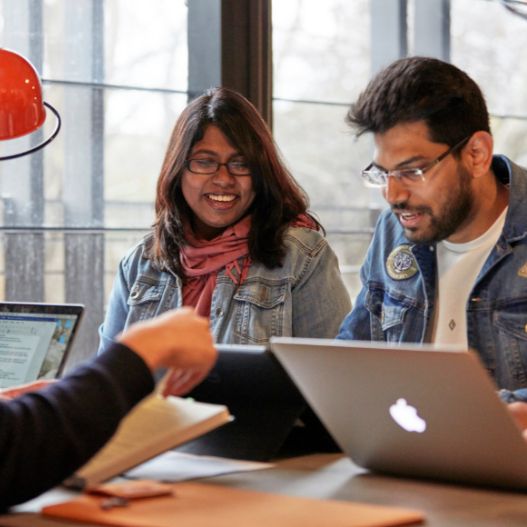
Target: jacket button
219	311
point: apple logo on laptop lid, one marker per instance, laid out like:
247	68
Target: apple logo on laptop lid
405	415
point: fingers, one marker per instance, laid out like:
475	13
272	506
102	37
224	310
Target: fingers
518	411
178	339
179	382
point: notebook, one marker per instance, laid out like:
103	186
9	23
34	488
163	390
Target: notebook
35	340
154	426
270	414
410	410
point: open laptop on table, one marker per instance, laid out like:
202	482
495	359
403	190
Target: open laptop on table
35	340
271	417
409	410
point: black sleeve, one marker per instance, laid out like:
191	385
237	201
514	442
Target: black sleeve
45	436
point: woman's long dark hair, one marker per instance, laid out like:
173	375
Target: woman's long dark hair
279	199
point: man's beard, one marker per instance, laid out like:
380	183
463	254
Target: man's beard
457	207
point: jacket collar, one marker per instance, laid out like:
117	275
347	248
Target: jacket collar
515	177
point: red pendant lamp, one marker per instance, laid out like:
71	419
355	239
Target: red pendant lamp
22	110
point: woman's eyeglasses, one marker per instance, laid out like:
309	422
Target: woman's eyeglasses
210	166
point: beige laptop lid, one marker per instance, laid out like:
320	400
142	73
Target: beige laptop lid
411	411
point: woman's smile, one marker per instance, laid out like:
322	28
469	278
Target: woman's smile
219	199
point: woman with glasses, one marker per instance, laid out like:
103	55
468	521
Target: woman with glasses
232	236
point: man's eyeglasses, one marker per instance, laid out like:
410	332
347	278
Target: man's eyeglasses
210	166
376	177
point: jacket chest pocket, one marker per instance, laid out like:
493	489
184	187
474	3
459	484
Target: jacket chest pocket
259	311
144	299
388	313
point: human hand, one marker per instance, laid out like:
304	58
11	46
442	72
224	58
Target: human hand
11	393
178	339
178	381
518	411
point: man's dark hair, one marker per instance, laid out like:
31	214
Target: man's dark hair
421	89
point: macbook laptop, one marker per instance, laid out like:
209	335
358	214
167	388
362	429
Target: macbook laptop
271	417
35	340
409	410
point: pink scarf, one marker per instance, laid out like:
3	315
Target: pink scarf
202	259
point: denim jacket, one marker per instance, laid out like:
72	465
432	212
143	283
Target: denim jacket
305	297
396	302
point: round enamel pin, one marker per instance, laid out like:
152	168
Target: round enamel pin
401	263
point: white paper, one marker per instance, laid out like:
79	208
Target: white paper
178	466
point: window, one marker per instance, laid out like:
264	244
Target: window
325	53
118	71
320	66
489	41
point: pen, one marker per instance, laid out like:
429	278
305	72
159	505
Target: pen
114	501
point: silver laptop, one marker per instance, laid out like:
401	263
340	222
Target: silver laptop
35	340
414	411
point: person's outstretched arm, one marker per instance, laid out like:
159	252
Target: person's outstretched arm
47	434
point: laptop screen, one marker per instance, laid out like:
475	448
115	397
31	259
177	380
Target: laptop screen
35	340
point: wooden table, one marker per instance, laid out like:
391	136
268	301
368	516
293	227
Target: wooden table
334	476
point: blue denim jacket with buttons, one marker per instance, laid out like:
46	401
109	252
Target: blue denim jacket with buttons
396	302
305	297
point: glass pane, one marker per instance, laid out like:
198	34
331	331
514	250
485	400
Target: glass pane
135	133
138	126
320	66
320	51
144	46
146	43
490	43
324	156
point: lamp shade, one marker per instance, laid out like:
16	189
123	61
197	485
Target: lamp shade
21	107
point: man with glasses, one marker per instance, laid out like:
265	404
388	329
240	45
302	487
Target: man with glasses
448	260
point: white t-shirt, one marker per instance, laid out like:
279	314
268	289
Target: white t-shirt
458	265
